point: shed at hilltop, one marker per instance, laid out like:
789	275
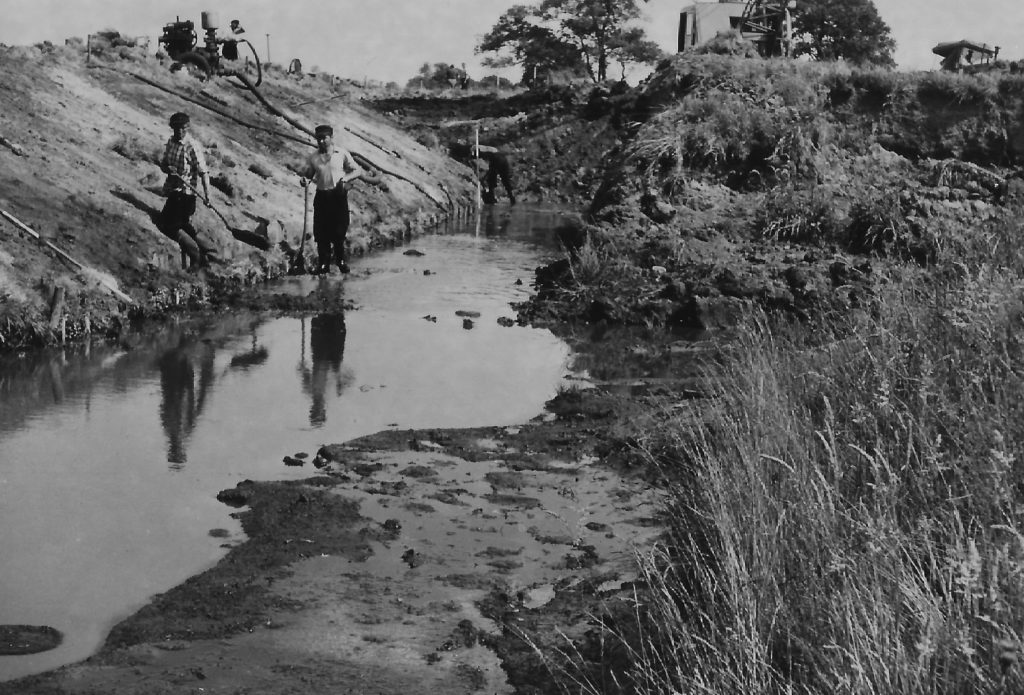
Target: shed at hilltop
702	21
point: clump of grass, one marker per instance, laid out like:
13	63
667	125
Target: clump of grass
587	264
134	150
880	225
798	216
261	170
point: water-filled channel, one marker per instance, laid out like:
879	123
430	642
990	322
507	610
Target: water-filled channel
111	456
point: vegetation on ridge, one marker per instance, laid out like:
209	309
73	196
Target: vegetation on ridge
846	506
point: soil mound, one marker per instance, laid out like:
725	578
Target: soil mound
80	181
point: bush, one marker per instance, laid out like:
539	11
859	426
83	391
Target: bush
953	88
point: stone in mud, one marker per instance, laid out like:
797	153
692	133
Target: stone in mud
367	469
412	558
470	314
467	324
417	471
510	480
16	640
234	497
493	552
506	321
520	501
413	252
292	461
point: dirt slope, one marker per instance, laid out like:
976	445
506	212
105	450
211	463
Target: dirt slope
78	152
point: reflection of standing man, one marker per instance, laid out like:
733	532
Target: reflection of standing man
180	403
496	224
327	348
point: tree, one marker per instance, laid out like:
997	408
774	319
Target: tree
518	39
850	30
586	36
630	48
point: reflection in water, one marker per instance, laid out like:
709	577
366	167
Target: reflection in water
495	223
327	349
84	548
181	401
253	357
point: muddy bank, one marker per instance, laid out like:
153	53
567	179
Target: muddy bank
106	123
407	558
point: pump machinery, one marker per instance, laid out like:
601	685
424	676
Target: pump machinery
181	42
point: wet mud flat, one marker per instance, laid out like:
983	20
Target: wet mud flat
407	560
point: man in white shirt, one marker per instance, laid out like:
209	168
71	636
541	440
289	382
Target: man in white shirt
332	170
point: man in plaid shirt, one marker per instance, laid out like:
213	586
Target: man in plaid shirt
185	166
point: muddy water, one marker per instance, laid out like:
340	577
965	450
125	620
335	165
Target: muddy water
111	457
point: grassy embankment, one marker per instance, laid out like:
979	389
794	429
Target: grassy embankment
847	512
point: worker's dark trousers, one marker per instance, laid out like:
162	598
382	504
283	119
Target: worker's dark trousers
330	225
499	168
176	222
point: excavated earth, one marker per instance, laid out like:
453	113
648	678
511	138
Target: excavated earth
441	561
407	559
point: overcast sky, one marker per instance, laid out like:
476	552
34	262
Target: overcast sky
390	39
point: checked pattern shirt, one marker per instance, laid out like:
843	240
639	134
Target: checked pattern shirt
185	158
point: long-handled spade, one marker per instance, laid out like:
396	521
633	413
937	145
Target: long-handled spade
259	238
299	265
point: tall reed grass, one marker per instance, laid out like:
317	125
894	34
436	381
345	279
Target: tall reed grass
847	516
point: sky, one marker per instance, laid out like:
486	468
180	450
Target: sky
389	40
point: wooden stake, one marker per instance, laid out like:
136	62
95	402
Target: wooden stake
476	161
56	307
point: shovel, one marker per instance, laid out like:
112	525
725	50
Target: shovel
258	238
299	265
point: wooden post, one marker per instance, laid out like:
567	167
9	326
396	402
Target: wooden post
476	161
56	307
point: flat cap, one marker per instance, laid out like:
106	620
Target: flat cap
323	130
179	119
